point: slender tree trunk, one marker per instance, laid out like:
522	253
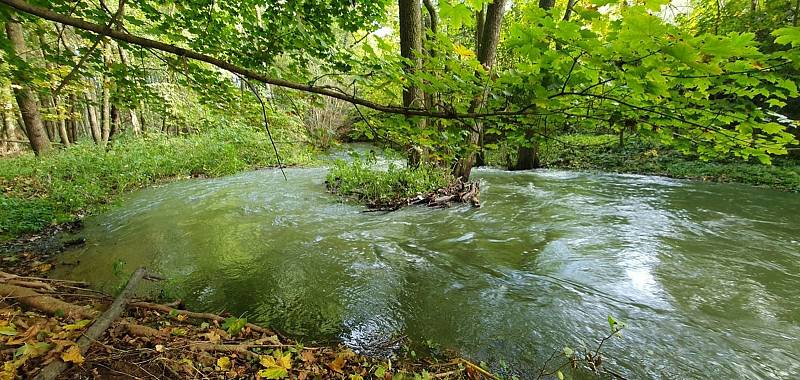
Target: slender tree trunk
135	124
91	112
796	14
106	126
61	124
73	122
487	54
115	121
411	49
26	98
568	12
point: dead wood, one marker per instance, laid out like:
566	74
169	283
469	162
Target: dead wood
45	303
98	328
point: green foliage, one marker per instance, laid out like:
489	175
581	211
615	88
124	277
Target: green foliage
85	178
233	325
602	152
360	180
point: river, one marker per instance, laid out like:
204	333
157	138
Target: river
705	276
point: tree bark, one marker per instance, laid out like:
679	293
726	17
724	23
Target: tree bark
26	98
115	121
528	156
94	123
135	124
106	104
411	49
568	12
487	55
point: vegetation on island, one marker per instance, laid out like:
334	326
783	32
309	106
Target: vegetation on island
99	98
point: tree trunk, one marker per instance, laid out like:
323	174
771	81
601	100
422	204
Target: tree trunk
26	99
73	122
135	124
487	54
568	12
61	123
91	113
106	126
528	156
115	121
411	49
796	14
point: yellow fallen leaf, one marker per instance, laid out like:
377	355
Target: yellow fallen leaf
159	348
212	336
224	363
45	267
273	373
285	361
268	361
77	325
73	354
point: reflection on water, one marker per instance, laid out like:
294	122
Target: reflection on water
705	276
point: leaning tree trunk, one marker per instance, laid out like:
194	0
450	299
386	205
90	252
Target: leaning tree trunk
411	49
487	54
26	98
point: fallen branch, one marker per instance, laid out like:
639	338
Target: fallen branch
6	275
100	325
45	303
191	314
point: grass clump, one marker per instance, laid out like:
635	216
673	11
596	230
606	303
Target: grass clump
36	192
361	180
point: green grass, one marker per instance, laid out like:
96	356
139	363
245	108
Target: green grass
37	192
359	180
602	152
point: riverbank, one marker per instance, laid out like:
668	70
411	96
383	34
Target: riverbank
603	153
65	330
65	186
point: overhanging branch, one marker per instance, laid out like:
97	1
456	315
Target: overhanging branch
47	14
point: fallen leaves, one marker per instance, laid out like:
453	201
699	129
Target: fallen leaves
73	355
224	363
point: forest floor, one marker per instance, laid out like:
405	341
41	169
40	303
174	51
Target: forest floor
46	323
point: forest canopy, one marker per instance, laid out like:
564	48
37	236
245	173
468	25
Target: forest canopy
445	80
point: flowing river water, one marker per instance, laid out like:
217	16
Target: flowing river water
706	276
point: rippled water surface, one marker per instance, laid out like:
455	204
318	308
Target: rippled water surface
707	277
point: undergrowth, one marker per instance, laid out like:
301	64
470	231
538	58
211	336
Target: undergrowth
37	192
603	153
361	180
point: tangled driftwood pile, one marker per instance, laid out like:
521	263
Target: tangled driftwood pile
457	192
